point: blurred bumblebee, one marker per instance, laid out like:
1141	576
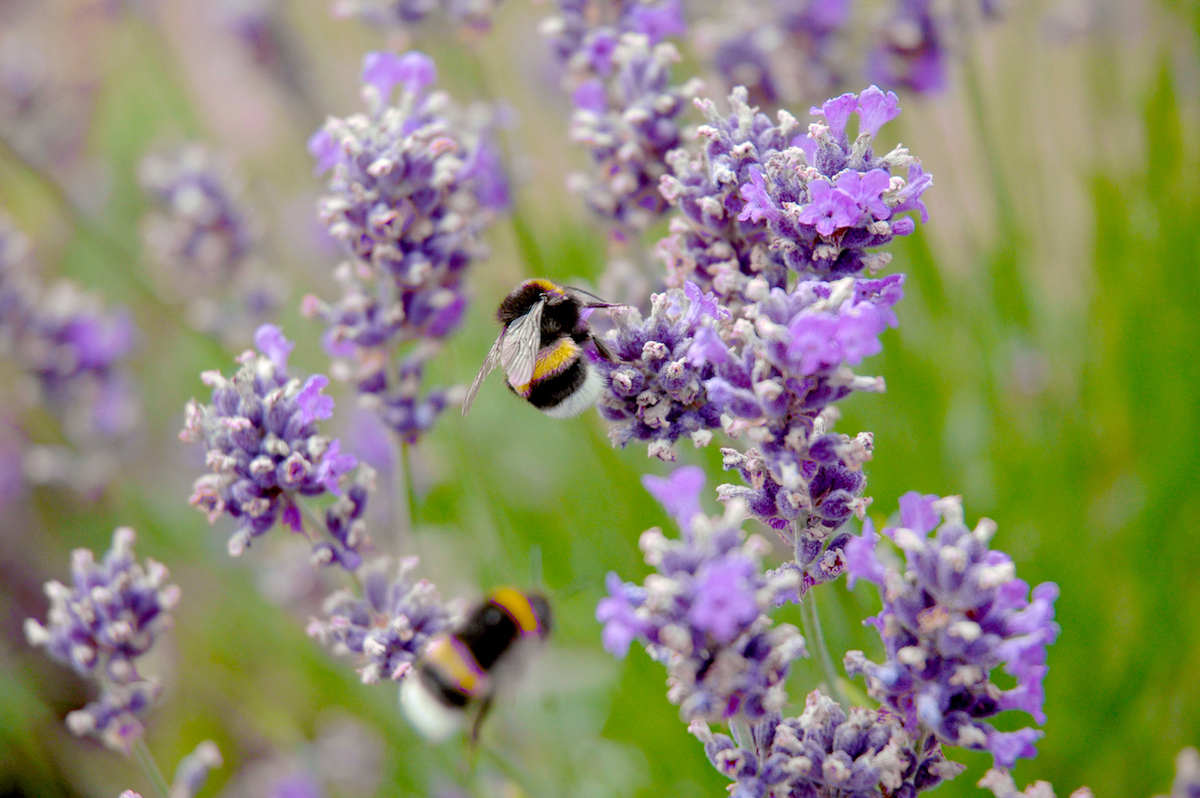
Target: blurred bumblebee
541	349
458	672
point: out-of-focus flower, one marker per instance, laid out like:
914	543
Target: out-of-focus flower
910	50
412	187
193	770
826	754
783	51
957	612
1187	775
628	125
110	616
205	242
389	625
1002	786
265	450
703	615
473	14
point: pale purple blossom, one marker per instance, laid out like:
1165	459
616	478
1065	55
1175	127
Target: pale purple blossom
957	612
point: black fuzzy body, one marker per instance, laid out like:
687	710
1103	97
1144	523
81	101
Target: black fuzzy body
560	316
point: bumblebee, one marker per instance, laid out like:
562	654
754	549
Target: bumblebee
458	672
541	349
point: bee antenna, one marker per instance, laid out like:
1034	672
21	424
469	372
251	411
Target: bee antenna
601	302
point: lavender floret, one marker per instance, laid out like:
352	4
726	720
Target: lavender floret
703	615
389	626
956	613
824	753
264	446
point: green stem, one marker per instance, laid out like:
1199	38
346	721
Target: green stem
811	620
742	734
146	761
404	511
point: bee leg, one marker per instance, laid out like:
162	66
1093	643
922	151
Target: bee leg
603	350
484	707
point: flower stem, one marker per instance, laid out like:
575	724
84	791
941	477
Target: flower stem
741	733
150	767
404	510
811	620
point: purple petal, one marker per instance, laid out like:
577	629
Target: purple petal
875	109
1008	747
313	405
917	512
270	341
325	150
678	493
837	113
861	561
385	70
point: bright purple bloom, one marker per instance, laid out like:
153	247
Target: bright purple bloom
270	341
264	447
703	615
876	109
837	113
829	208
759	204
956	613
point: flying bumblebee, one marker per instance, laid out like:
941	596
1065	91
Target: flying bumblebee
458	672
540	349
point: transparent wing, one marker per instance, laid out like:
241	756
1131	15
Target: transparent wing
522	340
489	363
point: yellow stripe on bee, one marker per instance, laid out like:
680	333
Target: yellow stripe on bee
545	285
517	605
456	663
549	362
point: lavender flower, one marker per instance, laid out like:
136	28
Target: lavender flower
389	625
764	202
265	450
585	35
410	192
703	614
628	126
910	51
957	612
99	626
782	51
825	754
655	392
472	14
204	240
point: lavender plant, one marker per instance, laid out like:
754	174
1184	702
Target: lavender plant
412	187
268	456
205	242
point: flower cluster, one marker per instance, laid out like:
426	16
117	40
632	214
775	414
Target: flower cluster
956	612
628	125
99	626
74	351
779	203
263	445
703	615
585	35
411	190
826	754
389	625
782	51
655	392
204	240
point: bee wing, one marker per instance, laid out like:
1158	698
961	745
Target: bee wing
489	363
521	343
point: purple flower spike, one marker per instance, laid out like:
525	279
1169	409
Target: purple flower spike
383	70
956	613
704	615
678	493
265	450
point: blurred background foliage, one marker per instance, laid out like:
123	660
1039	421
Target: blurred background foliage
1045	368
